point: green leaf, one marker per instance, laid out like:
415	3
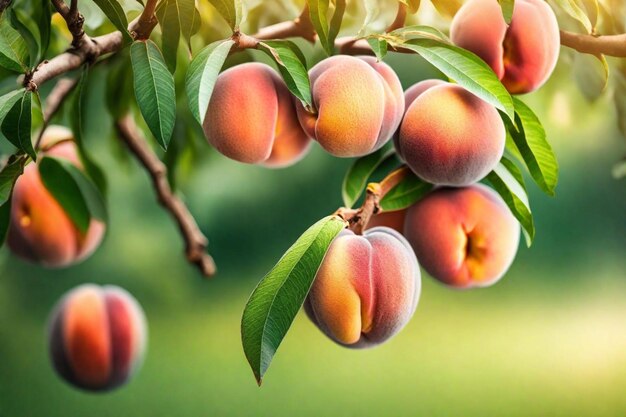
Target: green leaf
326	31
8	100
16	126
379	46
154	89
78	196
466	69
8	175
29	31
114	11
591	73
410	190
5	220
358	174
419	31
275	302
13	49
507	9
202	74
231	11
531	143
572	8
292	66
175	16
78	118
507	180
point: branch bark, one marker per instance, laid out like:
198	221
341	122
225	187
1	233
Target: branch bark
359	218
300	27
195	242
612	45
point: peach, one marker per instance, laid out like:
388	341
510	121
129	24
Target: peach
39	230
252	118
97	337
392	219
463	237
448	135
523	54
366	289
358	105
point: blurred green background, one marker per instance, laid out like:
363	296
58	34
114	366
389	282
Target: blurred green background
549	339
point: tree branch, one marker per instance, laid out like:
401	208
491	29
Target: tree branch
195	242
612	45
74	21
300	27
359	218
400	19
143	26
55	99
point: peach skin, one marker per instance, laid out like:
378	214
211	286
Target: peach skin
358	102
252	118
97	337
391	219
448	135
366	289
463	237
523	54
39	230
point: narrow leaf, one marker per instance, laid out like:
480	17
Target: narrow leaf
358	174
231	11
78	196
326	31
507	9
277	299
530	140
507	180
292	66
202	74
13	49
5	219
154	89
379	46
8	175
410	190
16	124
466	69
114	11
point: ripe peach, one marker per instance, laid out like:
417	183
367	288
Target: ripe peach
524	54
366	289
448	135
40	231
251	118
392	219
97	337
359	105
463	237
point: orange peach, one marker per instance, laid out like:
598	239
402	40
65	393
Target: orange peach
523	54
448	135
97	337
252	118
392	219
463	237
40	230
366	289
358	105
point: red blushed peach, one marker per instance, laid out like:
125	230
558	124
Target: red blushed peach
39	230
358	104
392	219
524	54
366	289
97	337
448	135
463	237
252	118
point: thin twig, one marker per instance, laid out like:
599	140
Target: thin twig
146	22
612	45
359	218
195	242
300	27
55	99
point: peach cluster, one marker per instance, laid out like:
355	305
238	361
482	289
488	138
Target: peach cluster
253	118
97	337
40	230
522	54
366	289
